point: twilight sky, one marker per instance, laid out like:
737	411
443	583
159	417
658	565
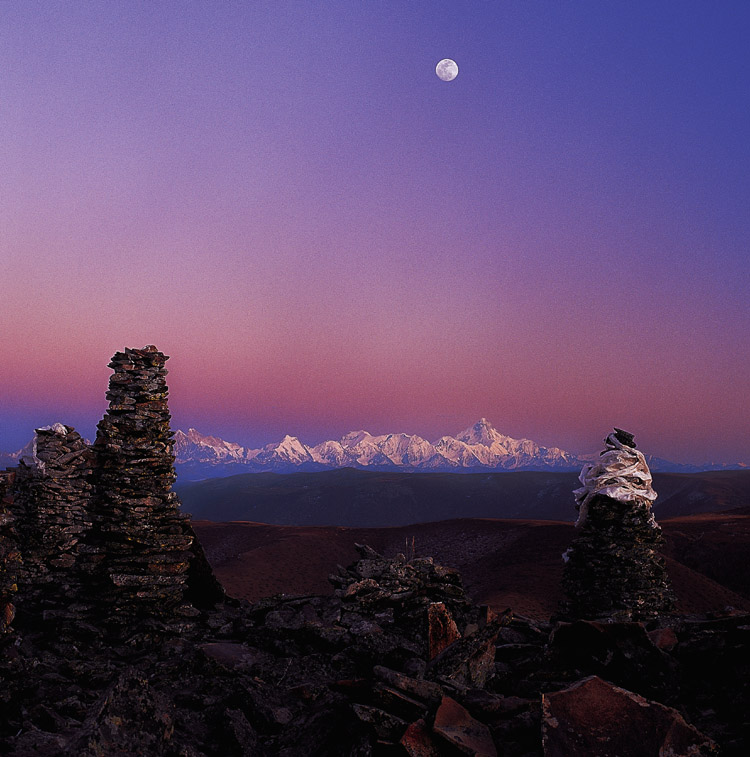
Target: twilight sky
324	236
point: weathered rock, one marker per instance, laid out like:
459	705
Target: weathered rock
129	719
418	741
10	559
663	638
485	705
713	656
593	717
386	726
402	584
233	656
426	691
442	630
621	652
239	737
469	661
397	702
454	724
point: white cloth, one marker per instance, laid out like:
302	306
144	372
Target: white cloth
28	453
58	428
620	473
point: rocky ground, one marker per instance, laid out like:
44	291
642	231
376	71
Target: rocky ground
396	661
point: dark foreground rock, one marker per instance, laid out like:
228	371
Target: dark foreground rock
352	674
10	560
595	717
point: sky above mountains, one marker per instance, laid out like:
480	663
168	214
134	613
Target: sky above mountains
324	236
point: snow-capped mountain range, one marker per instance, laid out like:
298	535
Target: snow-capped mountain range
480	447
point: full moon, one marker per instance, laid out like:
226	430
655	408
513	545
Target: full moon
447	69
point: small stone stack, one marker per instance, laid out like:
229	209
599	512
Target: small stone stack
613	569
145	538
9	559
427	598
52	501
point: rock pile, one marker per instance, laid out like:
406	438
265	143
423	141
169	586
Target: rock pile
9	558
613	569
145	539
427	599
349	675
52	503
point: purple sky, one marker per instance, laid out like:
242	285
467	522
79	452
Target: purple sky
324	236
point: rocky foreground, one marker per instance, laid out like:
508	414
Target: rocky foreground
116	639
396	661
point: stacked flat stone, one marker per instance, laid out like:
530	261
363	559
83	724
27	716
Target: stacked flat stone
9	558
52	502
144	536
613	569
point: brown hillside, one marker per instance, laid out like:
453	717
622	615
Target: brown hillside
504	563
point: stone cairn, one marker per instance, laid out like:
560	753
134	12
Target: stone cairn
52	503
612	569
145	538
9	559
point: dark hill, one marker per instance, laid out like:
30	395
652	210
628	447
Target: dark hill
504	563
355	498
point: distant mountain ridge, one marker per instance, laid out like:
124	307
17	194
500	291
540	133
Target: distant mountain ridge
479	448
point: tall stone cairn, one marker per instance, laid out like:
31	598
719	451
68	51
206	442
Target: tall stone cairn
10	559
52	503
613	569
145	538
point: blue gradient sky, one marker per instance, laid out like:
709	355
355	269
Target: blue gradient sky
324	236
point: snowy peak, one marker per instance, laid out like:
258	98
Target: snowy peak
331	454
353	438
196	447
479	447
403	449
496	450
459	453
289	450
204	455
482	432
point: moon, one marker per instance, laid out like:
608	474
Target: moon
447	69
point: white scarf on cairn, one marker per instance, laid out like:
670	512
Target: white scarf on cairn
620	473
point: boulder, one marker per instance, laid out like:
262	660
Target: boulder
442	630
469	661
418	741
454	724
594	717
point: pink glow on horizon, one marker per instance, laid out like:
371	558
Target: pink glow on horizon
545	242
